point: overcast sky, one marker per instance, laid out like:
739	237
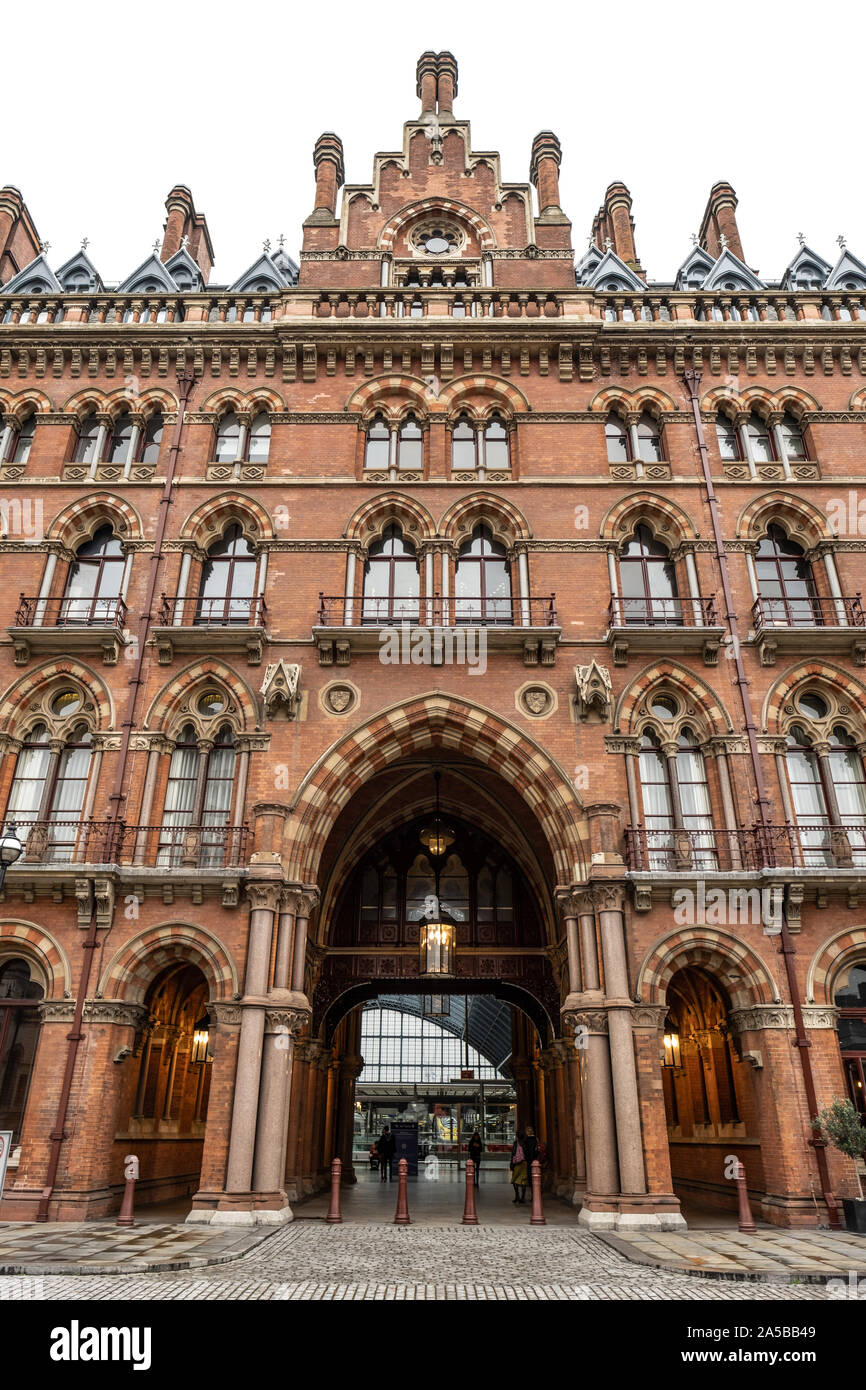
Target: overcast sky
108	105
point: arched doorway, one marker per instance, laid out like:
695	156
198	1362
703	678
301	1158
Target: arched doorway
20	996
165	1103
710	1104
429	832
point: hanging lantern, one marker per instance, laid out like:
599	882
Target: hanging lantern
437	948
437	836
671	1050
436	1005
200	1040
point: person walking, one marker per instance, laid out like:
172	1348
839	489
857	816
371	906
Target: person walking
387	1145
476	1149
519	1168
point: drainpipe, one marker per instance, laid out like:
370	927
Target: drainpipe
115	802
786	948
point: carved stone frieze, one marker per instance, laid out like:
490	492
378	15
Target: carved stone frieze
758	1017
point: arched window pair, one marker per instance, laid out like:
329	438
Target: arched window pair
481	445
125	442
482	582
787	595
228	591
240	443
827	787
649	594
395	448
756	442
198	794
640	442
49	783
17	441
675	795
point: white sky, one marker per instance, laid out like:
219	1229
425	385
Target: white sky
109	104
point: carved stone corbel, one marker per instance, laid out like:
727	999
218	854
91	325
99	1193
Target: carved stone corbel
281	688
592	692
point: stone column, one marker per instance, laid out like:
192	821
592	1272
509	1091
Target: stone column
300	1076
282	1026
648	1026
238	1205
575	1111
225	1029
609	900
599	1127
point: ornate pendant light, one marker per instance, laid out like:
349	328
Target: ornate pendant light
436	835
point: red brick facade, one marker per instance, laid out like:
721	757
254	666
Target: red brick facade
442	293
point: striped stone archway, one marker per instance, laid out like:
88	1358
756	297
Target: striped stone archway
459	726
717	951
136	963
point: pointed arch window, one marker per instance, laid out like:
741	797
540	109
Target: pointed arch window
760	439
648	582
410	445
121	438
49	786
463	447
786	586
809	797
649	440
791	436
88	437
228	440
482	580
198	796
259	445
849	785
827	789
18	449
228	580
377	451
392	580
496	444
675	796
93	586
728	437
617	439
151	439
19	1034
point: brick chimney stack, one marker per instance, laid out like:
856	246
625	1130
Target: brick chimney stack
614	221
183	221
19	240
720	219
544	170
446	85
330	173
425	82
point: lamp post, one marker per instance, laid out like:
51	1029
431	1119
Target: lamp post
11	850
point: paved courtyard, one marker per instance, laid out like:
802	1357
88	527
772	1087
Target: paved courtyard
309	1260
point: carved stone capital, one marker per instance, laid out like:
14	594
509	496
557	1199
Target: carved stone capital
758	1017
225	1015
574	901
608	897
649	1017
286	1022
593	1020
264	894
301	899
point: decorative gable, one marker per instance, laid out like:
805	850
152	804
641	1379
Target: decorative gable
184	271
264	276
587	264
80	276
613	275
730	273
847	274
35	278
151	277
807	271
694	270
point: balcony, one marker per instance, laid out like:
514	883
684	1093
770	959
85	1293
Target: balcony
64	625
809	624
668	625
439	630
195	624
54	843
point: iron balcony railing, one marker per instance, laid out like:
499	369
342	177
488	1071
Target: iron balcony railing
149	846
70	612
663	612
812	846
195	611
348	610
808	612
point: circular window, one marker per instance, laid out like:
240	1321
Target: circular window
211	702
813	706
67	702
436	245
663	707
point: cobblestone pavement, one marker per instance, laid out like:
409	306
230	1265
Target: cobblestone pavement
309	1260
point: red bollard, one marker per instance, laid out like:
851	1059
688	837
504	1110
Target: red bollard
537	1218
470	1216
745	1220
401	1216
126	1215
335	1216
